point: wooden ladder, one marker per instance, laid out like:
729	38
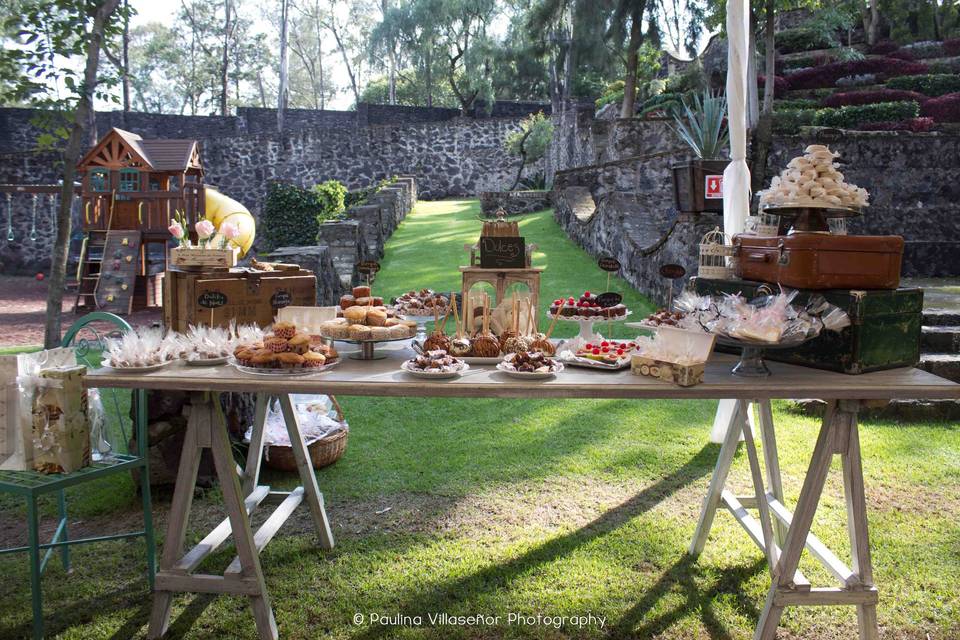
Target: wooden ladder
88	270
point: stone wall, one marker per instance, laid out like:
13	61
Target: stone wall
20	128
621	203
513	202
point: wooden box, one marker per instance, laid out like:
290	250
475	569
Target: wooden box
884	334
196	258
679	374
214	299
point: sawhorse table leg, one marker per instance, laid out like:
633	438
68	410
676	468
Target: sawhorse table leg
838	435
206	428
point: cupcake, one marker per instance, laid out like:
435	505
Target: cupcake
264	359
376	317
290	360
284	330
400	331
355	315
312	359
243	356
347	301
359	332
380	333
299	343
361	292
276	344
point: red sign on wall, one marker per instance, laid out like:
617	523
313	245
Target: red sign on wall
714	190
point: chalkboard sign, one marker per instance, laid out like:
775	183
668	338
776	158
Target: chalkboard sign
503	253
212	299
609	299
672	271
368	266
281	299
608	263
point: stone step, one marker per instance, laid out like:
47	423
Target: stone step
940	339
906	410
945	365
941	317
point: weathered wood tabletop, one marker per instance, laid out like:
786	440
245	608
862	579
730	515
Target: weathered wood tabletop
384	378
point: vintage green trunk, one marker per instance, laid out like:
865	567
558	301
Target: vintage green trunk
884	334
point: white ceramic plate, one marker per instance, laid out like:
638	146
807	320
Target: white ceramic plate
281	373
147	369
434	375
209	362
523	375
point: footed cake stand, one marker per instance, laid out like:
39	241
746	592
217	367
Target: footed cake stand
587	334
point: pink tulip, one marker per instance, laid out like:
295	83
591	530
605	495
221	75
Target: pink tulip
176	230
204	229
229	231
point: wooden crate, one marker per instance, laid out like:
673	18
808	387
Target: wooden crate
204	259
216	298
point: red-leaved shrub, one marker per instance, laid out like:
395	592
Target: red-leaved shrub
943	109
780	85
883	48
916	125
872	97
828	74
951	47
902	54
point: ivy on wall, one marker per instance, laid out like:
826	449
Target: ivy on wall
292	215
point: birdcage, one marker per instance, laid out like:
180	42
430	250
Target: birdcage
716	256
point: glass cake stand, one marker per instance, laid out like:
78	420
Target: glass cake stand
751	363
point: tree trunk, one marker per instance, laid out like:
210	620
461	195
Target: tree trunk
224	63
346	58
282	89
428	73
71	154
126	56
753	93
874	22
770	67
523	163
633	50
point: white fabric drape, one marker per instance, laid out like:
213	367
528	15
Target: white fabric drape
736	177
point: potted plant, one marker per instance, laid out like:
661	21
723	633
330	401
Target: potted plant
701	124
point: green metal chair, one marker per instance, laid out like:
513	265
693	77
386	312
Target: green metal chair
88	341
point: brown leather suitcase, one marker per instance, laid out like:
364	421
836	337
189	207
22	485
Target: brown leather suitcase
821	261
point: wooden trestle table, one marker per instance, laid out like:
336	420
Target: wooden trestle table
782	535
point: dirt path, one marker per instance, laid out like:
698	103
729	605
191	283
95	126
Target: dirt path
23	303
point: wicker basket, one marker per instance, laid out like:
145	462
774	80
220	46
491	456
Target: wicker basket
323	452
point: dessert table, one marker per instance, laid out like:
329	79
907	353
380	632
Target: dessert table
782	535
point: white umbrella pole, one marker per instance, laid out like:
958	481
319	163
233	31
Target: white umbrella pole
736	177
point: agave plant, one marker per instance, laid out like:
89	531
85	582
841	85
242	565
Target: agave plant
701	123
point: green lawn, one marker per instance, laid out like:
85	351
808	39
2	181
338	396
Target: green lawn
558	508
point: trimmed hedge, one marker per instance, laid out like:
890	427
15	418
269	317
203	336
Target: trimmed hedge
802	39
790	120
951	47
882	48
828	74
943	109
915	125
796	103
292	214
929	85
853	116
780	86
855	98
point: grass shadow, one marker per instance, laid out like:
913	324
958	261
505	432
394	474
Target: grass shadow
497	576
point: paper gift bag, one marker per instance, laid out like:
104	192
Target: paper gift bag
60	428
53	429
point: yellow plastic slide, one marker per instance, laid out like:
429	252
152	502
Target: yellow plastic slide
221	208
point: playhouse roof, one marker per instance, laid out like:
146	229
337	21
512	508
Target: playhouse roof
156	154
